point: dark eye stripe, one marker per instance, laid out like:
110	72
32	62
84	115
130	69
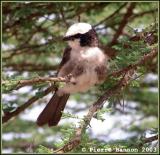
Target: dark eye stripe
68	38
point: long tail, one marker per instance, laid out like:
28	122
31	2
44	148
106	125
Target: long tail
53	110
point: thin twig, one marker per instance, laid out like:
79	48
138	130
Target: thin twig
111	16
150	139
37	80
63	16
123	23
147	140
143	13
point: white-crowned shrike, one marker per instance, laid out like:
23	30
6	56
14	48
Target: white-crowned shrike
83	62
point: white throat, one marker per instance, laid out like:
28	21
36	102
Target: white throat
75	44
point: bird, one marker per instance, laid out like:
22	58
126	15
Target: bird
83	64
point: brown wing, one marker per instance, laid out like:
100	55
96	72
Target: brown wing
101	72
66	57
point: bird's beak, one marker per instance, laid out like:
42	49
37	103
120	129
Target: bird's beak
65	38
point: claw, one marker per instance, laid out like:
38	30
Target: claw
70	79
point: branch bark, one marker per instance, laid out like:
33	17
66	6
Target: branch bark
147	140
123	23
150	139
23	83
37	80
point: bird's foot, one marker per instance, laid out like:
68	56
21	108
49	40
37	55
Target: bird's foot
70	79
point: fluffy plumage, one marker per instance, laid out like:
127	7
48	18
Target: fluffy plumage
84	61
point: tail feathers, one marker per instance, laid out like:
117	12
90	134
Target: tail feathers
53	121
50	111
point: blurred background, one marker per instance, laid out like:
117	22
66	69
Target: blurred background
32	46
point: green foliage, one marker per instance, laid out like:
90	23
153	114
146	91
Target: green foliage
43	149
129	56
11	82
68	132
69	115
9	86
32	46
106	85
99	114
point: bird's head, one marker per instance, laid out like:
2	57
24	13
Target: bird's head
81	35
